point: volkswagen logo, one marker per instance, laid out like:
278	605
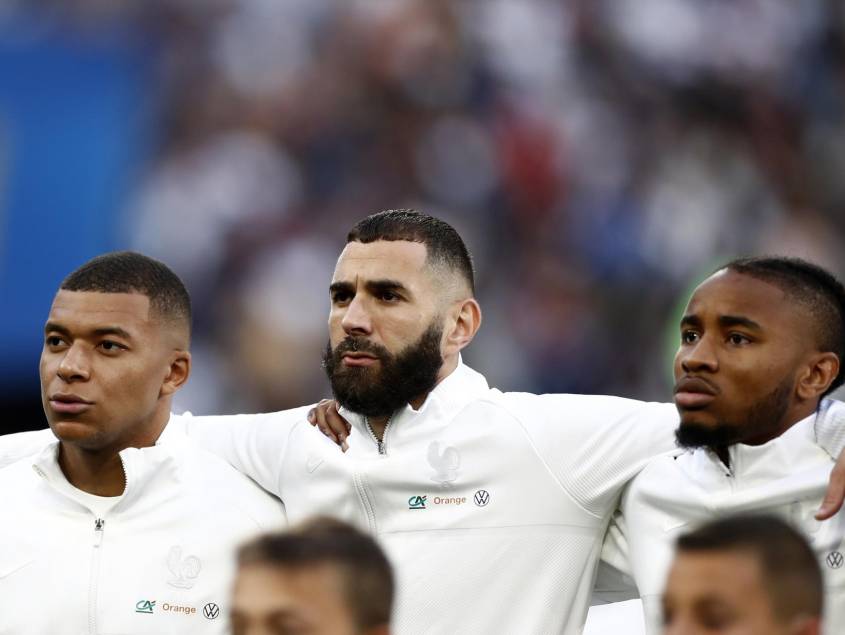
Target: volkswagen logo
834	560
481	498
211	611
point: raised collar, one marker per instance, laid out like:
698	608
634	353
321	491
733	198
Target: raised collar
140	465
460	387
796	450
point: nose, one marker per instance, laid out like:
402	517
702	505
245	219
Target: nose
356	318
699	356
74	365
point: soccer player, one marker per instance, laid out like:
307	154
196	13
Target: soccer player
761	344
491	505
323	577
122	525
750	575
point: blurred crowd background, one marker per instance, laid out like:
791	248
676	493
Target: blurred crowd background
599	157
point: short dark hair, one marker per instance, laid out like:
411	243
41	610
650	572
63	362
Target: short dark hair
365	570
789	570
131	272
443	243
812	286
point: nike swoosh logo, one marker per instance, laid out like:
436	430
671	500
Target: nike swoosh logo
313	463
4	573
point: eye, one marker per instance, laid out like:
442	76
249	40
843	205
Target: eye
388	296
112	347
53	341
689	337
340	297
738	339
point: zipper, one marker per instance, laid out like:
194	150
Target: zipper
99	526
364	497
380	443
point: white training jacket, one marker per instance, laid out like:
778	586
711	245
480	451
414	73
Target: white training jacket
546	472
160	560
786	476
491	506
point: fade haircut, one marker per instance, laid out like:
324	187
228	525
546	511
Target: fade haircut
811	286
789	571
444	246
365	571
131	272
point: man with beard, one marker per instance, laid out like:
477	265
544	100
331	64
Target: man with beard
761	344
492	506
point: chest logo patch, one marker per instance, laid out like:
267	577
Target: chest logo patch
184	570
445	464
834	559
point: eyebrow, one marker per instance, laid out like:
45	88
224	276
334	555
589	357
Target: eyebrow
100	332
725	321
372	286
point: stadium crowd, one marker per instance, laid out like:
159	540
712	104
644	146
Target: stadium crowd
597	156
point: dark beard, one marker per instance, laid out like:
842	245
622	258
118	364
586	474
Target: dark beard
401	378
762	419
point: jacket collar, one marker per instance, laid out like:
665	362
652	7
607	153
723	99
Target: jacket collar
460	387
140	465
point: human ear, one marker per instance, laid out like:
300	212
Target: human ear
465	321
177	373
819	373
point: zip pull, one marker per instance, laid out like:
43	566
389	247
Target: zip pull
99	523
381	448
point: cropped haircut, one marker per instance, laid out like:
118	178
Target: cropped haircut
815	288
789	571
365	571
444	246
131	272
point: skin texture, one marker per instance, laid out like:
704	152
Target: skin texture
388	294
722	593
108	351
747	345
270	600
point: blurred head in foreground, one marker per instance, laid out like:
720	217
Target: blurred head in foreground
321	578
751	575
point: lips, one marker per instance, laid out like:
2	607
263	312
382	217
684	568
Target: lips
359	359
66	403
694	392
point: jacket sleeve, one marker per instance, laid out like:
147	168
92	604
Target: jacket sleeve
830	427
614	581
14	447
255	445
596	444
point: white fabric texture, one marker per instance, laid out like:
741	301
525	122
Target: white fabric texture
786	477
151	564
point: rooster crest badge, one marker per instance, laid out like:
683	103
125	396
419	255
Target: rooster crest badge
445	464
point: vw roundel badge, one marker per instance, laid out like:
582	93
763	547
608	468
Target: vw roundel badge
481	497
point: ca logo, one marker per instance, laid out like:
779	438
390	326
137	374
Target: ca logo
416	502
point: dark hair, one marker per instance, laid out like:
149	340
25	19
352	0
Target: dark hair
367	576
789	570
812	286
131	272
443	244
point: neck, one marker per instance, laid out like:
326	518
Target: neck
100	471
93	472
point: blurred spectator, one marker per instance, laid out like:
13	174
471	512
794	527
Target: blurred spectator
597	155
323	577
753	575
